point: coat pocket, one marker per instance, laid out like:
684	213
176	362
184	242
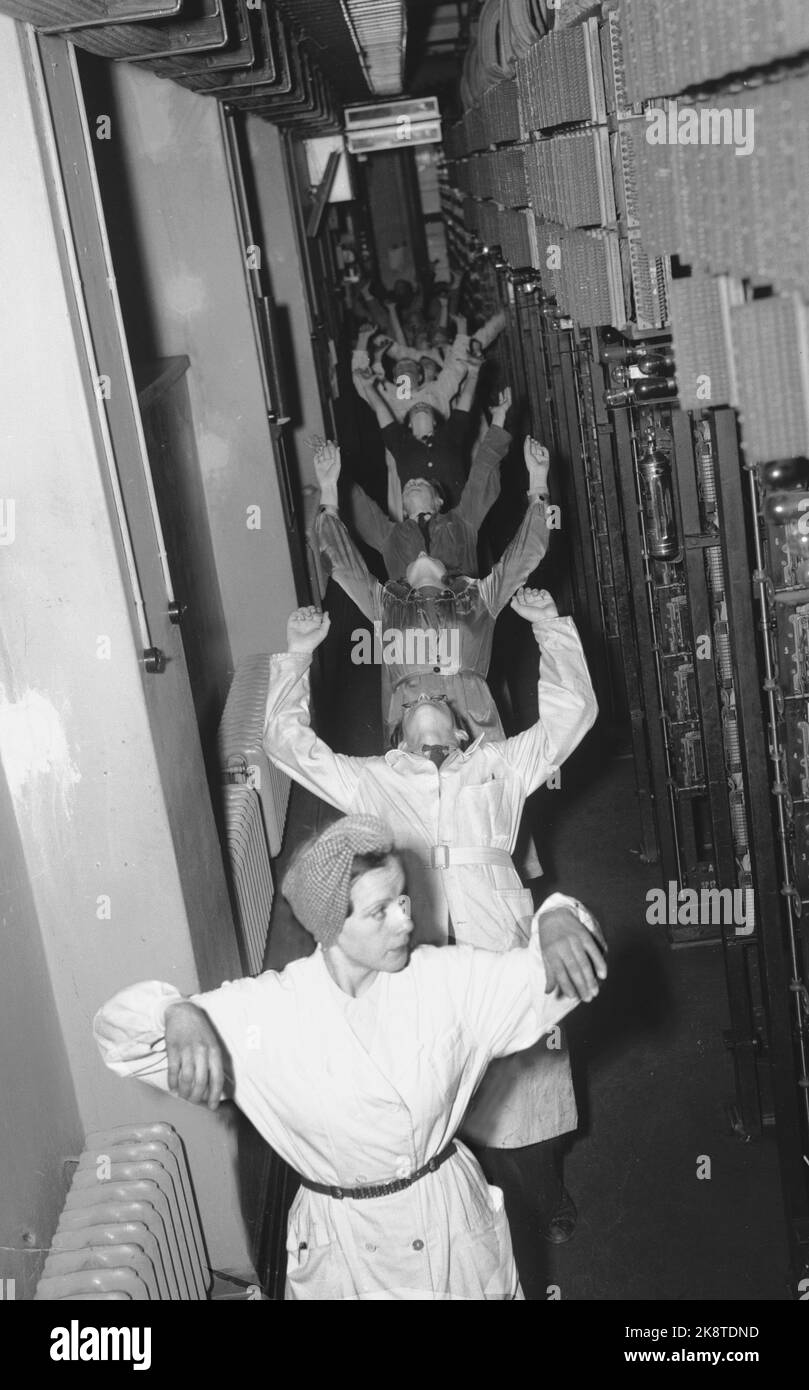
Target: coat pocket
485	1254
315	1263
484	816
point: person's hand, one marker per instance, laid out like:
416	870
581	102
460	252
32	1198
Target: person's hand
327	465
538	462
196	1066
363	379
367	331
573	956
306	629
535	605
500	411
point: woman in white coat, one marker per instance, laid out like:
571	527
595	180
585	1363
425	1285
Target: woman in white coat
357	1064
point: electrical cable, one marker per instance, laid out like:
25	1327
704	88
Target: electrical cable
506	29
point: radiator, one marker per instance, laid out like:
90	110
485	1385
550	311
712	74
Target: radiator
250	867
256	799
240	751
129	1228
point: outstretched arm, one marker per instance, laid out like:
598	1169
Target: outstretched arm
347	565
490	330
328	463
203	1049
466	396
527	548
370	522
565	696
449	380
483	484
150	1032
395	322
289	739
365	386
519	559
508	1000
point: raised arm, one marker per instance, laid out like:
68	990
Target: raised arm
527	548
365	386
565	696
371	523
347	565
483	484
452	374
374	309
490	330
395	322
466	396
289	739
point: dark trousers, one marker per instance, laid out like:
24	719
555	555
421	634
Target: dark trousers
531	1182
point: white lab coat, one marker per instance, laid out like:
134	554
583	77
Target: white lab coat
354	1091
475	799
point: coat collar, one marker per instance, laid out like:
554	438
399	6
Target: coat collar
400	757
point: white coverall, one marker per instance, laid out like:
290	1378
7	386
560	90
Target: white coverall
473	802
358	1091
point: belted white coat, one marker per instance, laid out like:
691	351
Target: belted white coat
474	800
359	1091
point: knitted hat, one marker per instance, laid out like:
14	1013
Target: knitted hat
317	884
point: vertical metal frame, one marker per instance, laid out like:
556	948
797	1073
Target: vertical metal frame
773	951
647	643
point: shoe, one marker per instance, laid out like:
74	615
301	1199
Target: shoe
562	1224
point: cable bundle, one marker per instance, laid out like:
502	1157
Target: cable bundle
506	29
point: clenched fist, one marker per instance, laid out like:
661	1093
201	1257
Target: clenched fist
500	411
537	461
306	629
535	605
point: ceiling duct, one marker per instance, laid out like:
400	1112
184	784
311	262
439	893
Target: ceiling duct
378	31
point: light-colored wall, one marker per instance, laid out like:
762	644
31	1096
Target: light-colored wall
39	1118
181	233
286	278
96	813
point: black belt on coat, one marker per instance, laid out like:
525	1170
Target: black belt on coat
382	1189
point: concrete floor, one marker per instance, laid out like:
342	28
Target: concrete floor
654	1081
652	1074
